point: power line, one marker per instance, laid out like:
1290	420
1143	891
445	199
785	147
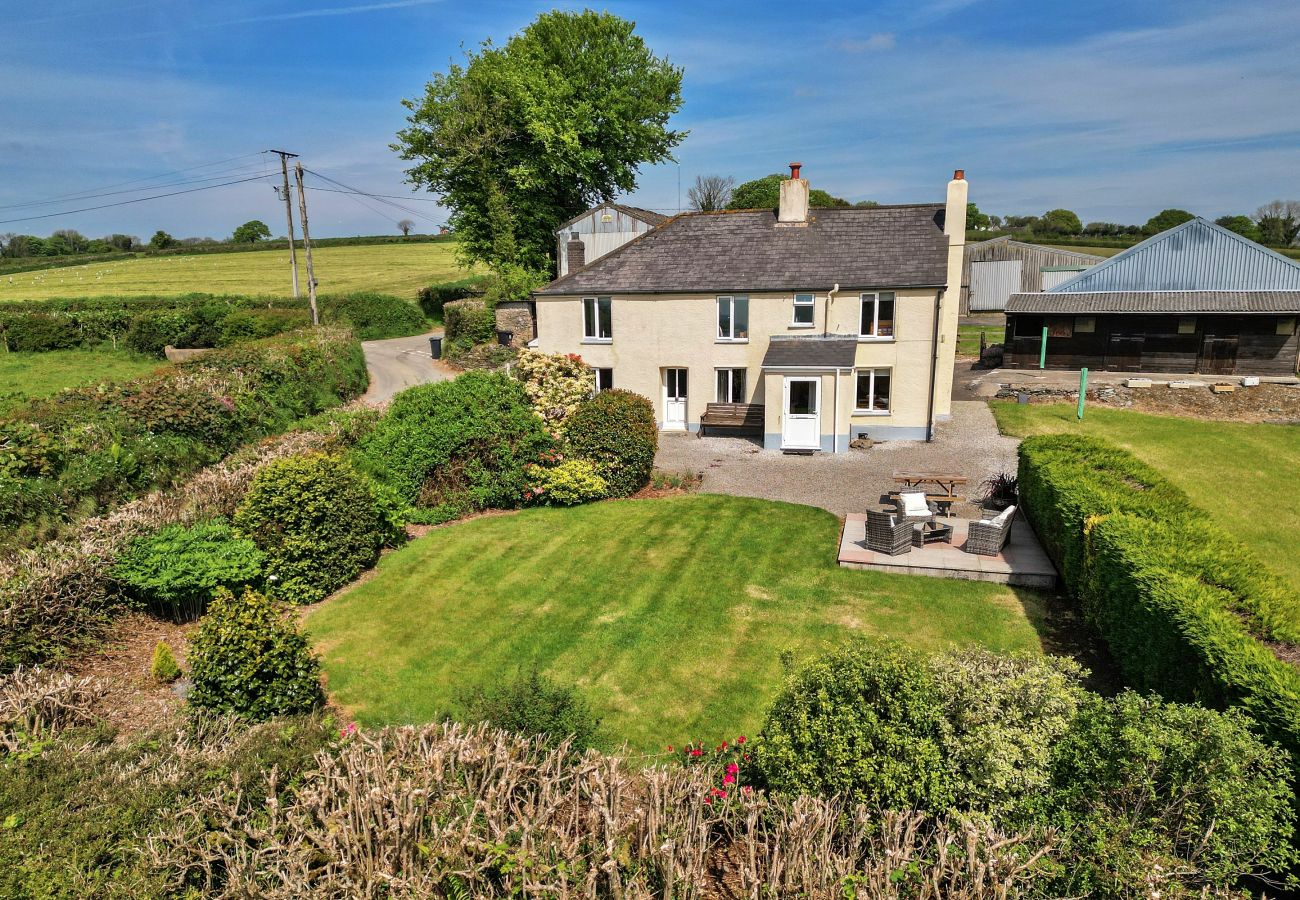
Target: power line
355	190
128	202
78	195
368	194
238	170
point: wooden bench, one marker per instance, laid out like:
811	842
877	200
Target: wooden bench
945	486
743	416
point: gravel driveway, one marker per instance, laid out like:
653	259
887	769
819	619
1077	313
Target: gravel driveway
969	444
398	364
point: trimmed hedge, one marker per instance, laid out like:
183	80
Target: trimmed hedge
433	298
616	430
374	316
468	322
1182	606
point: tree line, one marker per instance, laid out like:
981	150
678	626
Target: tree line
1276	224
70	242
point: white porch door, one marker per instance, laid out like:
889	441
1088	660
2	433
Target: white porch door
801	426
674	399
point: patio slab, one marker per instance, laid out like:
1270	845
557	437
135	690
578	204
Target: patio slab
1022	562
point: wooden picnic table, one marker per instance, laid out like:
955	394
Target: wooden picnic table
944	485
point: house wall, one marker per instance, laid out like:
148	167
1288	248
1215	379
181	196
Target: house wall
1260	349
655	331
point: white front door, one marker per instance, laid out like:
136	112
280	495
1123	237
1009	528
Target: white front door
801	426
674	399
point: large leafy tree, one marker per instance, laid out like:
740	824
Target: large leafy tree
251	232
526	135
1242	225
765	193
1166	219
1279	222
1059	221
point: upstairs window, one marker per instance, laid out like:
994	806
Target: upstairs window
803	309
731	385
873	390
733	318
877	315
597	319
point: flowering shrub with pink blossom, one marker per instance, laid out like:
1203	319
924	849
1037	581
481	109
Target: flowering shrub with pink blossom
730	761
568	482
555	384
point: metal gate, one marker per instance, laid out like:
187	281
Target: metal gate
991	283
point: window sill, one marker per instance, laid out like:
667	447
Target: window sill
802	325
732	341
872	412
868	339
598	340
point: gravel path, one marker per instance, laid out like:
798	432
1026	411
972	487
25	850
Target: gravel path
969	444
398	364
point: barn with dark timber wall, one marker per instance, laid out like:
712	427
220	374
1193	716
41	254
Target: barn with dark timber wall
1195	299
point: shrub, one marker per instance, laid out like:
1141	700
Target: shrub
240	325
556	383
249	659
1153	790
177	569
319	521
616	430
567	483
375	316
866	722
457	446
39	332
531	704
433	298
468	322
164	668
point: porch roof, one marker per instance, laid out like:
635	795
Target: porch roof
810	352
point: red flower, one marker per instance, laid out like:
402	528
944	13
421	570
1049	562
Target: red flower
670	748
708	800
740	740
747	790
728	779
697	752
733	769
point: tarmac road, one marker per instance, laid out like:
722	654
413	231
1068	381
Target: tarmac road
400	363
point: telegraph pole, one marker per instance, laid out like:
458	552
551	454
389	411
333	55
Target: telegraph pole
306	243
288	213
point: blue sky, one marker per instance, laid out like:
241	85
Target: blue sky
1113	109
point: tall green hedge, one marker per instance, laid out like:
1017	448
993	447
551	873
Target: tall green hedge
1183	607
468	322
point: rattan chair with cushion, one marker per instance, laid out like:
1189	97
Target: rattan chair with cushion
888	533
914	508
987	537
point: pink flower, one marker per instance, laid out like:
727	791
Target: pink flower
747	790
697	752
728	779
348	730
740	740
733	769
708	800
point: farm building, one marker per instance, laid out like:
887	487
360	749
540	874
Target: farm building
993	270
587	237
1196	298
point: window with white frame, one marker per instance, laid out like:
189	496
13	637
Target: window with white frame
733	318
597	319
877	319
872	394
604	379
803	310
731	385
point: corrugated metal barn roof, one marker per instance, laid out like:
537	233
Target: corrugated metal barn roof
1185	302
1195	256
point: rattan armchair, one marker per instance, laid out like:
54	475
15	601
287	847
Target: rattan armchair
910	512
988	538
888	533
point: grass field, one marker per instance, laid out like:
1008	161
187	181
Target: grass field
42	374
670	615
968	337
400	269
1244	475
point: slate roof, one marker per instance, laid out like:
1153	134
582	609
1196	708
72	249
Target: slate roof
810	352
1194	256
1185	302
746	250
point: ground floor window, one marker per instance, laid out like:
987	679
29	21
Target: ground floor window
731	385
604	379
872	393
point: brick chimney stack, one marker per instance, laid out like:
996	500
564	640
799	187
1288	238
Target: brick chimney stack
577	252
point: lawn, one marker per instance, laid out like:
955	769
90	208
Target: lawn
400	269
43	374
671	615
1244	475
968	337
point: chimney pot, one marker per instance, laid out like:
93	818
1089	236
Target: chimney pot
959	175
794	169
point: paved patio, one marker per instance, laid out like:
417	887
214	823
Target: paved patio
1022	562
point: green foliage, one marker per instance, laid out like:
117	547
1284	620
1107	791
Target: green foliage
164	668
468	322
975	219
566	483
434	297
161	240
615	430
1058	221
319	521
39	332
457	446
251	232
1242	225
530	133
249	659
532	704
765	193
1166	219
1139	783
865	722
556	383
176	570
375	316
1279	222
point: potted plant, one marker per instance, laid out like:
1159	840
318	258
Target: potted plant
1000	490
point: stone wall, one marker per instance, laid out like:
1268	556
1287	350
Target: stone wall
516	317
